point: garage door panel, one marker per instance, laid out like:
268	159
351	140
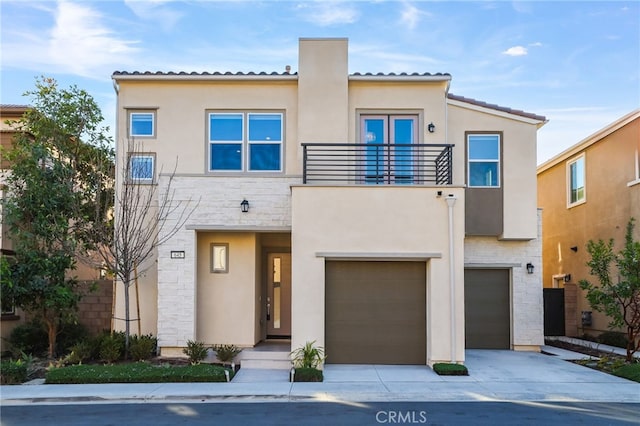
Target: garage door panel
487	309
376	312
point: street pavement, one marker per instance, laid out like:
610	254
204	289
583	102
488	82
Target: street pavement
494	376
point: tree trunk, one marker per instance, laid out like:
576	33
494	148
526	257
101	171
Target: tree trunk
127	320
52	334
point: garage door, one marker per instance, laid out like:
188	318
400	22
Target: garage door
375	312
486	308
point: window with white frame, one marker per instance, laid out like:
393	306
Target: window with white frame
483	156
636	179
576	188
245	141
142	124
141	168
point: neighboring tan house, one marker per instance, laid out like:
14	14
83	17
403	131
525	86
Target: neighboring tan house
10	316
588	192
386	219
95	308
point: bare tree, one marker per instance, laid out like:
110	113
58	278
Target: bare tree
145	217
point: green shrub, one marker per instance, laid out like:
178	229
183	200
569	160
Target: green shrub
30	338
13	372
142	347
613	338
226	353
196	351
70	335
139	372
629	371
80	352
308	356
112	347
450	369
306	374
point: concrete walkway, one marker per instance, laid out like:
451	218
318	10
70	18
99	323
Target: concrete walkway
494	376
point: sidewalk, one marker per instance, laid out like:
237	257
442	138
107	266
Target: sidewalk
494	376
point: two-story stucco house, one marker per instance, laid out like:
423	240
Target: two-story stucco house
378	215
587	192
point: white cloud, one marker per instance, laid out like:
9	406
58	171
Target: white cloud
327	13
78	43
516	51
535	44
410	16
155	12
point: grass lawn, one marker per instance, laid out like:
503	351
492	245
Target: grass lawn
629	371
138	372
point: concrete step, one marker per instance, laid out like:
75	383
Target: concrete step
272	364
251	358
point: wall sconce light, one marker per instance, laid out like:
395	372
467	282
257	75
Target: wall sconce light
567	278
529	268
431	127
574	249
244	206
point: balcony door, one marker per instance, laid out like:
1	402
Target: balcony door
388	157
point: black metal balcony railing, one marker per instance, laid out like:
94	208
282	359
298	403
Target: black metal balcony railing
377	164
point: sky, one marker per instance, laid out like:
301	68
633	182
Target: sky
575	62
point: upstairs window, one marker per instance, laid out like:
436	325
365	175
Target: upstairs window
576	181
142	124
141	168
483	156
245	142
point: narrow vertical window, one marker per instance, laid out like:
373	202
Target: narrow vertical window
483	156
219	258
576	181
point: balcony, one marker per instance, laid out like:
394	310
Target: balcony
377	164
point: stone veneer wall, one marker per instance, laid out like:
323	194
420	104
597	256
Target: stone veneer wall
218	208
526	289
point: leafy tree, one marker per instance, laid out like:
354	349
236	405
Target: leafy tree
618	299
61	162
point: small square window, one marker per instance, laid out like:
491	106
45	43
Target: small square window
142	124
219	258
141	168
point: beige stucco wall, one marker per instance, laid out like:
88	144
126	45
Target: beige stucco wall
427	101
182	120
610	202
225	303
365	222
518	163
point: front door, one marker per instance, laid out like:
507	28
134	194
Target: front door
278	295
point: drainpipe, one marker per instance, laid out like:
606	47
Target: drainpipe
451	201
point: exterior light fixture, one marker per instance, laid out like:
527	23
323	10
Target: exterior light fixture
244	206
529	268
431	127
567	278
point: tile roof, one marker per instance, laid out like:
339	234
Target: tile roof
203	74
497	107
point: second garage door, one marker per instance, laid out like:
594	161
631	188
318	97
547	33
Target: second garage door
486	308
375	312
